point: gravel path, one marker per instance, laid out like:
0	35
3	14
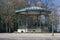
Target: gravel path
29	36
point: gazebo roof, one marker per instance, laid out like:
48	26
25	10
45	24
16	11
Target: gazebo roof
34	8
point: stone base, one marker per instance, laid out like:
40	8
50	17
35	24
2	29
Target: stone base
21	30
28	30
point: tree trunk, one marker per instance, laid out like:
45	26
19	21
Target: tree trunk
6	28
9	30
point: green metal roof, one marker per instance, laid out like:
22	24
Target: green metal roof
32	8
21	10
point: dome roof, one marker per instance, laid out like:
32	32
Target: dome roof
34	8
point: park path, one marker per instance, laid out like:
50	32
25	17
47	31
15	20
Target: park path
29	36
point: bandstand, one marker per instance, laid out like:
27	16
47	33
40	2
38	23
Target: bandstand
33	19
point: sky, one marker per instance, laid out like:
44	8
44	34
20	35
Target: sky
57	3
